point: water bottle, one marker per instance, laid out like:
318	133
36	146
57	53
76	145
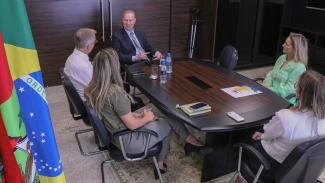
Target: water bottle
163	71
169	63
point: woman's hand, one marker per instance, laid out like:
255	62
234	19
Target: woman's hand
149	115
257	136
138	115
263	84
135	120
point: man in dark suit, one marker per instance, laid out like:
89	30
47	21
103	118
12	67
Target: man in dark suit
130	43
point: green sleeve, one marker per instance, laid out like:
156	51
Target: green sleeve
288	87
268	81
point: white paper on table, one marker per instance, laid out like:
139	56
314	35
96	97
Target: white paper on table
241	91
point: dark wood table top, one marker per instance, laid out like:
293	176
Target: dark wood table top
256	109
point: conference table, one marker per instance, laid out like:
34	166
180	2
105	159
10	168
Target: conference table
193	81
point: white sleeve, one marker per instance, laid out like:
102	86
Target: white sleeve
86	76
272	129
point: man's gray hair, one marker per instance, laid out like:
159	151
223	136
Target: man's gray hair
84	36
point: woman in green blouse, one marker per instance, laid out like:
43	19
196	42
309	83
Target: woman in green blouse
289	66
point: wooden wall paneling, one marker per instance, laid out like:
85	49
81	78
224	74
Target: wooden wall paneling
205	44
181	26
297	18
53	24
302	16
152	18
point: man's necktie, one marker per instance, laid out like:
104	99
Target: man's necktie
136	43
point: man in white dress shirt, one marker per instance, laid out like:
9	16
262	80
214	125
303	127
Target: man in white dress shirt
78	66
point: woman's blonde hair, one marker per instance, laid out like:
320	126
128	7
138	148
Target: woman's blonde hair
300	45
311	93
106	79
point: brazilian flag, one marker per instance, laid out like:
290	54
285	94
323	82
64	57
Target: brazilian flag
28	150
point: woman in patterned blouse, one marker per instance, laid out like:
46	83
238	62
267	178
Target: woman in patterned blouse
289	66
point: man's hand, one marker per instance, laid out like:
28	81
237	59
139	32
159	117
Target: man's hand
157	56
141	56
257	136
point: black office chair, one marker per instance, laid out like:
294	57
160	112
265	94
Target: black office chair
127	83
127	86
77	110
76	105
228	58
105	138
303	165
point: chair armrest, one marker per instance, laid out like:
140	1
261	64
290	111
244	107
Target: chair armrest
141	130
292	95
126	87
256	153
126	156
61	72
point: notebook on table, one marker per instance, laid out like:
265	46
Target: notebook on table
196	108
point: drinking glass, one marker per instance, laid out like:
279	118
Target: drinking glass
154	71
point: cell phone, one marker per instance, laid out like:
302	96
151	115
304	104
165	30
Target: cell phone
198	105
